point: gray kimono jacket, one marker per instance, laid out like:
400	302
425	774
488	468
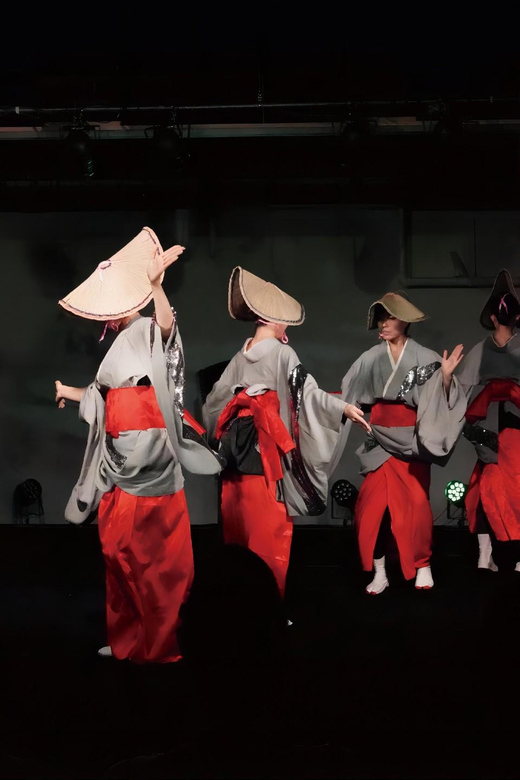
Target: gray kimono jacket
312	417
416	380
142	463
484	362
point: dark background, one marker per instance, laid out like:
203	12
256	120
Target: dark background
397	686
333	219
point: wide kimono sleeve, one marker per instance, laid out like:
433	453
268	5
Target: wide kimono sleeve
483	435
440	419
315	422
87	492
351	393
189	447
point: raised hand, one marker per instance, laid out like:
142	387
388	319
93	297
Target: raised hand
160	262
60	395
449	364
355	414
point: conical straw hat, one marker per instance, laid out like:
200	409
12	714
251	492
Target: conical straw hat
503	284
398	306
251	298
119	286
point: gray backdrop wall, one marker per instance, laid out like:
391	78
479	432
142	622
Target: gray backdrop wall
336	260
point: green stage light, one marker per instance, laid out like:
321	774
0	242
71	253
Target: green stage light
455	492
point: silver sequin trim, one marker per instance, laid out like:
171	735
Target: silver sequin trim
175	367
481	437
370	443
418	375
116	457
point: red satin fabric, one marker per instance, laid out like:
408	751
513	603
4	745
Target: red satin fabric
193	422
136	409
403	488
251	515
496	390
273	437
146	544
390	414
472	499
253	518
132	409
497	485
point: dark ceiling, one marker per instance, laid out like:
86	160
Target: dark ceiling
394	62
87	54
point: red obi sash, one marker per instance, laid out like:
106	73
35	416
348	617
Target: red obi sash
496	390
273	436
136	409
392	414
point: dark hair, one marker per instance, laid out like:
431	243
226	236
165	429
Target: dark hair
380	313
506	309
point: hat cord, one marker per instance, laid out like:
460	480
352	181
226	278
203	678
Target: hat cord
284	338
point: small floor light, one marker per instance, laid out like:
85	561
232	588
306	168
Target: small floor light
455	492
28	503
344	494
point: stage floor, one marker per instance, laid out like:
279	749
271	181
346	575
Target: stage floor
406	684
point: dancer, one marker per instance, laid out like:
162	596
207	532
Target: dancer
416	415
493	424
138	439
277	430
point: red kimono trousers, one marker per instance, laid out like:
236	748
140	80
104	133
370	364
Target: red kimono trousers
497	485
146	544
402	487
251	514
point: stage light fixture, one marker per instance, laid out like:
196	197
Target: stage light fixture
168	141
79	147
344	493
455	492
447	129
354	131
27	500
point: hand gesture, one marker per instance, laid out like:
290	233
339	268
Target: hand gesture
355	414
60	396
160	262
449	364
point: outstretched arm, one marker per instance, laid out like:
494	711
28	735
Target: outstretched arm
156	268
66	393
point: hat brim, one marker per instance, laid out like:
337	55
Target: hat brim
503	284
251	298
398	307
118	287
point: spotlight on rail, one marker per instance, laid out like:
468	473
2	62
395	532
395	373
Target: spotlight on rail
447	129
78	147
354	131
455	492
168	142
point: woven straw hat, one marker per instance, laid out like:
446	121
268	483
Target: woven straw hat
119	286
398	306
250	298
503	284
